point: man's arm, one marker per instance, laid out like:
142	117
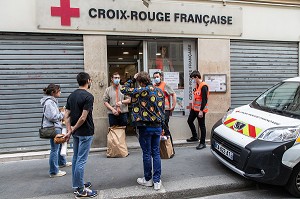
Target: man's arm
172	93
68	124
204	92
114	111
174	101
81	120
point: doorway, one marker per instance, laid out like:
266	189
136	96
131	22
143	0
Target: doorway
124	56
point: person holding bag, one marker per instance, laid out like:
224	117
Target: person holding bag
148	115
52	117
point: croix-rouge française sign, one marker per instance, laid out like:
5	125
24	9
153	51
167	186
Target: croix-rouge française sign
133	17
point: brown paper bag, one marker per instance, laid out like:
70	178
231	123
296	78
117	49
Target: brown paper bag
116	142
166	149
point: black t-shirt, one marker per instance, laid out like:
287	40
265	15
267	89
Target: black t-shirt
78	101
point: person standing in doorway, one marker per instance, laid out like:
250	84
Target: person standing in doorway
148	116
116	102
79	123
162	62
169	106
52	117
199	109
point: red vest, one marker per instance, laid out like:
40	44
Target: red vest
167	97
198	98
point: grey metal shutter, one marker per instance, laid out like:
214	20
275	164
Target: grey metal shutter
28	63
257	65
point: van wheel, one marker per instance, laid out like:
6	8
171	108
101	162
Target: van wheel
293	185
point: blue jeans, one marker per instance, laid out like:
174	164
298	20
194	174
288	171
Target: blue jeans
149	138
81	148
55	158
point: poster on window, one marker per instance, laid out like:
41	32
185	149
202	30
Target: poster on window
172	79
179	99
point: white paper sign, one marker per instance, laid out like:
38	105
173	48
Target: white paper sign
172	79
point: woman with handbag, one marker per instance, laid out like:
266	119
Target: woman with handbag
52	117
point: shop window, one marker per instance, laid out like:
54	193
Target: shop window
167	57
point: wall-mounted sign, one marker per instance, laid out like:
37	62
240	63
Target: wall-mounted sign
216	82
132	16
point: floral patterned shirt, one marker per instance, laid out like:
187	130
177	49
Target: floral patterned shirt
148	104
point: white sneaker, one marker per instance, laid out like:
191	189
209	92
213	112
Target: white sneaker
59	174
68	164
157	185
144	182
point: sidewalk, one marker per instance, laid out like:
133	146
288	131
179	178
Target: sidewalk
190	173
132	143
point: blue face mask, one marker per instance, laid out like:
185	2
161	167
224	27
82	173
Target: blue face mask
193	81
157	80
116	81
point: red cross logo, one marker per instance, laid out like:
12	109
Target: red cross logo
65	12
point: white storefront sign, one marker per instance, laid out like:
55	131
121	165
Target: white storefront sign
132	16
189	52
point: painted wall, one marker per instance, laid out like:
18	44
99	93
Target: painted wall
95	63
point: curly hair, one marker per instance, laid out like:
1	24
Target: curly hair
51	89
143	77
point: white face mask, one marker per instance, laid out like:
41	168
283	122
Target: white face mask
157	80
116	81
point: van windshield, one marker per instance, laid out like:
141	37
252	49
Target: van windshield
282	99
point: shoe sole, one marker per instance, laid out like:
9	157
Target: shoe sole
55	176
146	185
86	196
75	192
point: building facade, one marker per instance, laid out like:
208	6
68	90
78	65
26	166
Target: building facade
240	47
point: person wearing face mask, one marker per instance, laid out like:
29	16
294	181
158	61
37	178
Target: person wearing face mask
169	107
116	102
199	109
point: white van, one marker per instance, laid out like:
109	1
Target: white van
261	140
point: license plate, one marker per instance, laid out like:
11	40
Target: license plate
224	151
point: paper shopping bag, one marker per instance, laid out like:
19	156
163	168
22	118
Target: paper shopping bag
166	149
116	142
63	151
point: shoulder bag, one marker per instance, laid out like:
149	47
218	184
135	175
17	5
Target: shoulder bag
47	132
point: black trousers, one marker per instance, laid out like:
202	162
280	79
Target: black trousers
201	121
166	127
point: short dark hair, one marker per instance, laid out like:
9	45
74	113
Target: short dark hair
115	73
194	74
83	78
143	77
157	72
51	88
